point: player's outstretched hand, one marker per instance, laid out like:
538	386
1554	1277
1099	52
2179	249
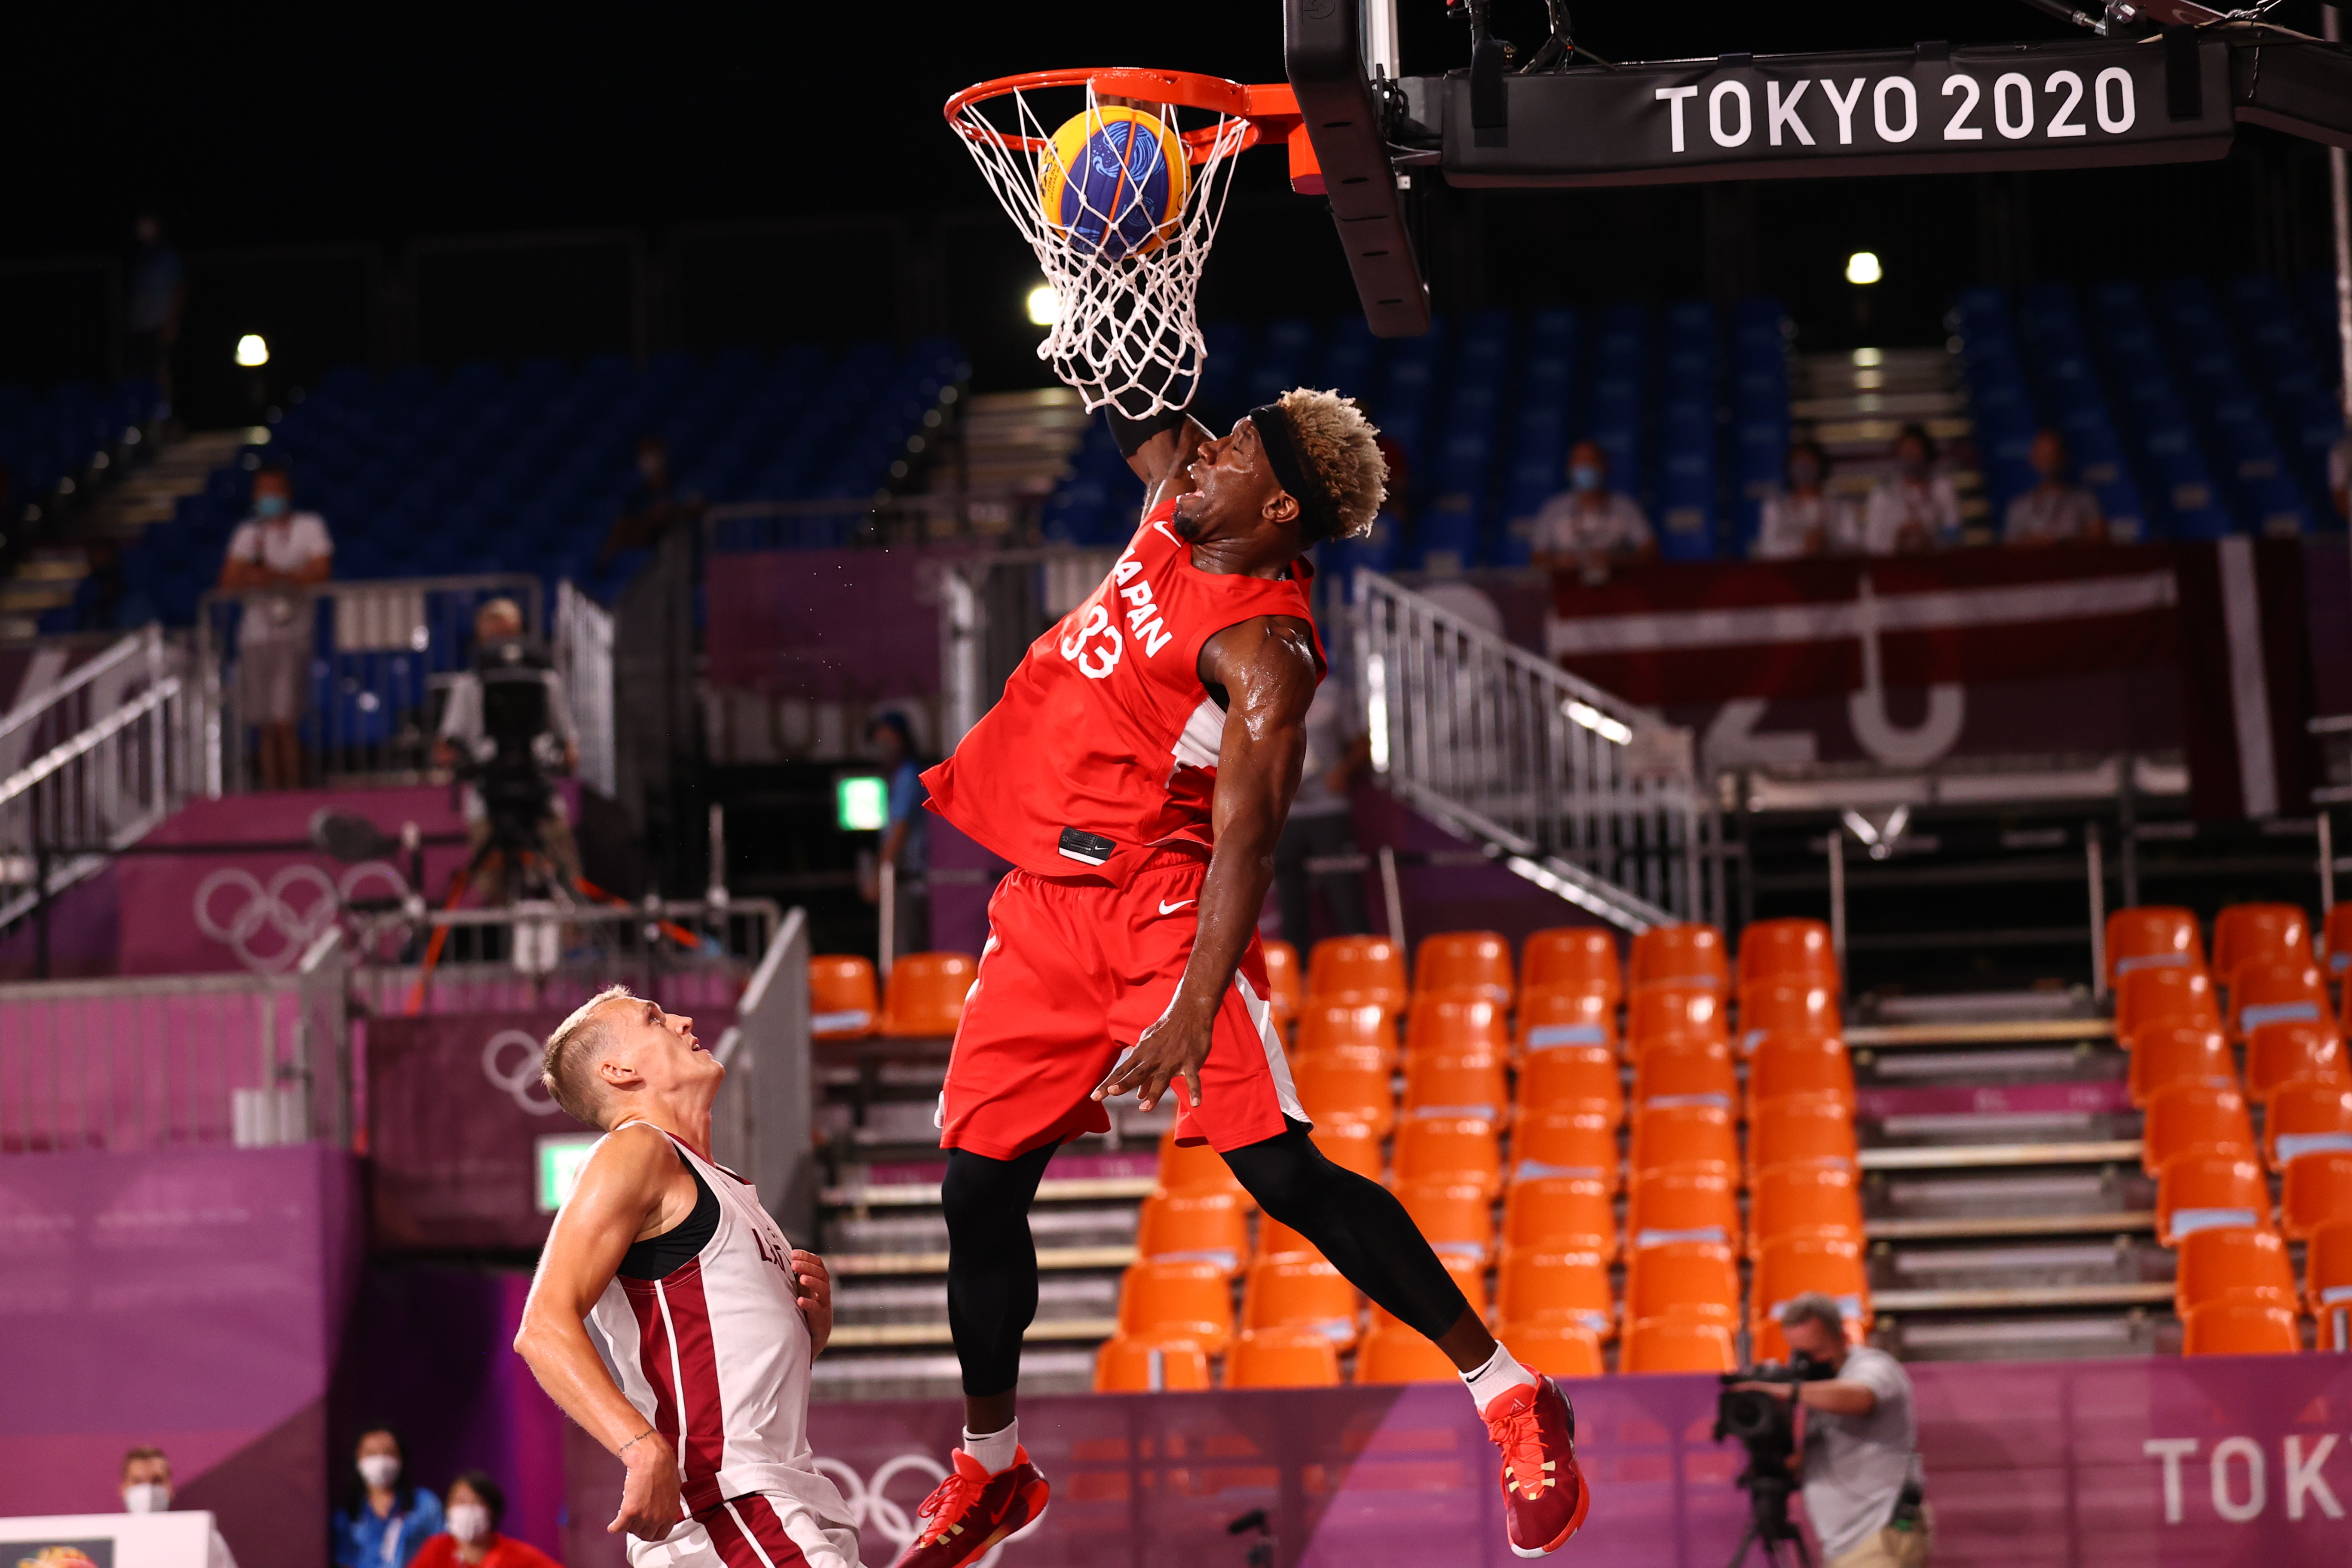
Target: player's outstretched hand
1174	1047
649	1504
815	1288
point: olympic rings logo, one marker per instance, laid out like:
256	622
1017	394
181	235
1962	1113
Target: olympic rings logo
523	1078
869	1511
281	906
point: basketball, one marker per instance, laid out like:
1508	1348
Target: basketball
1114	181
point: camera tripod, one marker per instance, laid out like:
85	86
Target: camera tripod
1768	1524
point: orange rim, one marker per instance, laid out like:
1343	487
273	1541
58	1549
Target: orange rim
1186	90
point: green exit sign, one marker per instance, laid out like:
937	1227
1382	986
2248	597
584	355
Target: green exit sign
861	802
561	1157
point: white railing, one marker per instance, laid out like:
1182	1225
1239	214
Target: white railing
583	656
761	1125
1583	794
129	1063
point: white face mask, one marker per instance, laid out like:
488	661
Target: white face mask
380	1469
469	1522
147	1497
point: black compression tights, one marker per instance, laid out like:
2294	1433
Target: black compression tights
1356	1224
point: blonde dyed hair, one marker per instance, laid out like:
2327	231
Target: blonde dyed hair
572	1052
1340	447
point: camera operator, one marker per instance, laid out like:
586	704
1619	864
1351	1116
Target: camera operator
1863	1485
506	727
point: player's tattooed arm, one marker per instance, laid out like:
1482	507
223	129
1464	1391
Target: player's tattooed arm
625	1192
1266	666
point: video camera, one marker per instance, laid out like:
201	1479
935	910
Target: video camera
1767	1428
520	749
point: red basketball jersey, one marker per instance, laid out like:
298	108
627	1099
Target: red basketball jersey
1104	743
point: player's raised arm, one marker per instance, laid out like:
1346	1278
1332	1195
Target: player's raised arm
1159	448
620	1194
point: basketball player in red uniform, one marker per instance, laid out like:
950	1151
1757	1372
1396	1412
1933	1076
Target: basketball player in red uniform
1136	773
704	1318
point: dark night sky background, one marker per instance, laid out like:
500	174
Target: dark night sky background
280	128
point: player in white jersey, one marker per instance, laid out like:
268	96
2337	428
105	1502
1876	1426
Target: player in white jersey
671	1318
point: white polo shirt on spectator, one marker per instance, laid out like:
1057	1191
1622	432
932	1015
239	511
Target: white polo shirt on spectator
1897	504
2051	514
282	544
1789	523
1567	525
1857	1465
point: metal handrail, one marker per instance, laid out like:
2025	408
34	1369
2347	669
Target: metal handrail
90	740
148	640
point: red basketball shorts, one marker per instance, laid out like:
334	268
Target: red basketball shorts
1072	974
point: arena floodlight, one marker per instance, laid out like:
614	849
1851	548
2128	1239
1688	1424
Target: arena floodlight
252	350
1863	268
1044	305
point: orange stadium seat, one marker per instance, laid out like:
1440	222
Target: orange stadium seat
2193	1119
2240	1328
1449	1149
1541	1286
1785	1066
1678	1205
842	1001
1469	1275
1800	1132
1555	1347
1787	950
1193	1227
1359	1029
2335	946
1683	1279
1177	1301
1573	1077
1456	1024
1788	1265
1576	1142
1340	1086
1449	1083
1394	1354
1770	1006
1580	957
1282	981
2315	1192
1676	1344
1687	955
1352	1144
1126	1364
1360	969
1696	1137
2259	933
1685	1070
2166	1054
1551	1016
2305	1118
2233	1263
925	994
1300	1293
1464	964
2279	1053
2147	997
1457	1217
1560	1214
1803	1200
2152	936
2277	993
1282	1358
2327	1282
1197	1169
2199	1192
1661	1012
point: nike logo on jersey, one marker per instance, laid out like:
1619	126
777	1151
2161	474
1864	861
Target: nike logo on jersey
1168	908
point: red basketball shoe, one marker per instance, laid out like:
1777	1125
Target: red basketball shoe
972	1511
1544	1492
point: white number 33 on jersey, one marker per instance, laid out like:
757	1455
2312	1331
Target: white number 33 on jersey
1099	660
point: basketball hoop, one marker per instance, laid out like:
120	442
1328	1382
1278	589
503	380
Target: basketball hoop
1136	165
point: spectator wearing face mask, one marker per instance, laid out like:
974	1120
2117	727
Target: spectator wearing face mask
1591	525
273	557
2052	511
146	1481
476	1506
385	1519
1801	519
1915	508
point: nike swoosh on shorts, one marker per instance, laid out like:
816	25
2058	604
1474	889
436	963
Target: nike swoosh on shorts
1168	908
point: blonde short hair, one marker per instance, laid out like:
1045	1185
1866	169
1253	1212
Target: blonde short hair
1341	448
499	609
574	1049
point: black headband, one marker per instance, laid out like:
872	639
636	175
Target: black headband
1318	517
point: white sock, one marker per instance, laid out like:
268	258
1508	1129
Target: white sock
995	1450
1501	1374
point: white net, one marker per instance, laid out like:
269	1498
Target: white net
1135	198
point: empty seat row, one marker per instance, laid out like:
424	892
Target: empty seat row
924	998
